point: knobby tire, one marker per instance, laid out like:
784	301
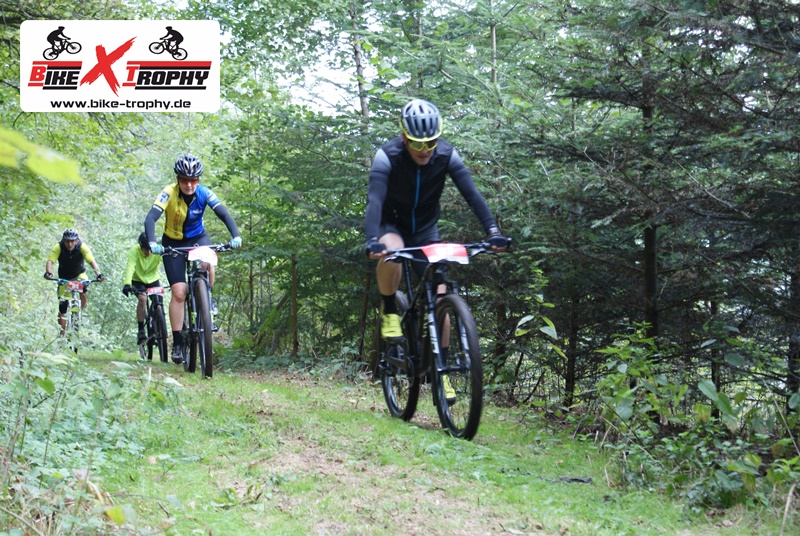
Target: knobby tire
201	349
400	387
160	332
189	343
462	417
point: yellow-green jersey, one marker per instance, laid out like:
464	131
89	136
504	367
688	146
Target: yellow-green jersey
71	264
140	267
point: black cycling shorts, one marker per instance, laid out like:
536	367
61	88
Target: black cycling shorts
142	287
423	238
175	267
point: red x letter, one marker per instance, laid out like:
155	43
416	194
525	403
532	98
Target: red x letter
104	65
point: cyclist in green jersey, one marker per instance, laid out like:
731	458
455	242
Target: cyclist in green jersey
141	273
71	254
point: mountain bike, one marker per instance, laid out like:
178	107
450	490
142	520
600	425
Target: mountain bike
431	322
178	53
155	323
73	47
73	289
197	323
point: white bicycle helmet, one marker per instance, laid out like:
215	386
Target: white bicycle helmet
421	120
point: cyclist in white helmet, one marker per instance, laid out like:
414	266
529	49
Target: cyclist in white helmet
184	203
405	185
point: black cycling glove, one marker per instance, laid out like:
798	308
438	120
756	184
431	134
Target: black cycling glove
374	247
497	240
127	289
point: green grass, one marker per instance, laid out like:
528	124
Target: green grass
250	453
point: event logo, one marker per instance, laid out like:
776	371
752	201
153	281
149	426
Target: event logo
105	64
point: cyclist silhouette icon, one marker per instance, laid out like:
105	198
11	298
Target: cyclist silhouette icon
59	43
170	43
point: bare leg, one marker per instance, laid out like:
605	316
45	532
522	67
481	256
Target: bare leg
141	307
176	306
389	273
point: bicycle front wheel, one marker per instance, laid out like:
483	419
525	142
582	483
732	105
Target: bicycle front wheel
200	350
399	379
458	389
160	332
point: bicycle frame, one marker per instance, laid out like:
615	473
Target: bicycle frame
435	274
155	297
440	340
197	338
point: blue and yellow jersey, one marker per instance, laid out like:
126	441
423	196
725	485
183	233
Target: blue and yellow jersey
182	220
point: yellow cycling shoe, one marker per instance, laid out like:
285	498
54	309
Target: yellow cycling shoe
449	392
390	328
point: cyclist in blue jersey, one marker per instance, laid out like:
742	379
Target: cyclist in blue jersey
405	185
184	203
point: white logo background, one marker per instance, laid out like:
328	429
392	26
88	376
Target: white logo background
184	81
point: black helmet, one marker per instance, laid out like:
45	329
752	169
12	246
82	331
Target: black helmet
70	234
188	165
421	121
143	243
60	27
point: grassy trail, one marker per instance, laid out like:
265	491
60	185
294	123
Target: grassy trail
261	453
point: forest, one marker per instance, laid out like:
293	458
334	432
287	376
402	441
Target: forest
643	155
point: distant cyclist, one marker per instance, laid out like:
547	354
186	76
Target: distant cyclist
57	39
173	38
141	273
184	202
71	254
405	185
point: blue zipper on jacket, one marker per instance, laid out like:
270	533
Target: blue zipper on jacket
414	210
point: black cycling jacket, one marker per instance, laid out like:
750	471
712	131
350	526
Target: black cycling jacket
406	195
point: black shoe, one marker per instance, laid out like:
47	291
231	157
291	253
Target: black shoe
177	355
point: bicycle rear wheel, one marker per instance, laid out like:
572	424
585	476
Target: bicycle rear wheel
148	322
461	414
160	332
399	379
200	350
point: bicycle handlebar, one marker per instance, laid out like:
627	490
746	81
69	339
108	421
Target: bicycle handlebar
184	250
476	248
86	281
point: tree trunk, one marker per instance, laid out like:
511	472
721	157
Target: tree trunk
362	319
572	351
793	357
295	337
651	281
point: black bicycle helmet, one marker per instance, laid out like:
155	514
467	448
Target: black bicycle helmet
421	121
188	165
143	243
70	234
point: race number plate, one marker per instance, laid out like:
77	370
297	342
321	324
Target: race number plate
446	252
203	254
